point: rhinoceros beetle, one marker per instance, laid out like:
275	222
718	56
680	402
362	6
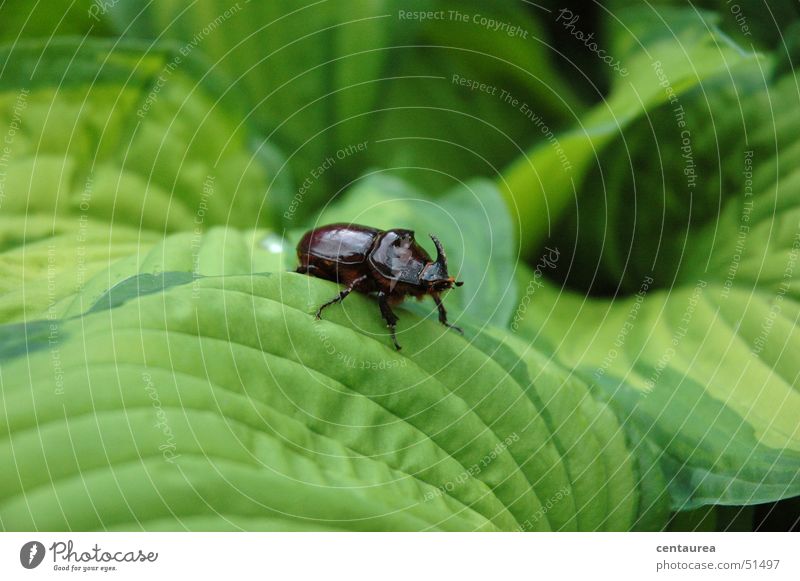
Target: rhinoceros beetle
387	262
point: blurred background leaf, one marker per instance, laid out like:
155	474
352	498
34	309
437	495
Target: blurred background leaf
325	75
125	133
562	184
701	356
46	20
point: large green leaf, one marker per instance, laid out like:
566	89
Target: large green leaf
722	413
671	172
220	403
326	75
669	176
706	369
125	133
667	53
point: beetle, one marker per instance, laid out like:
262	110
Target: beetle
389	263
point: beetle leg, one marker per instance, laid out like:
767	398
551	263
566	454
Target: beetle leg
443	314
341	296
389	317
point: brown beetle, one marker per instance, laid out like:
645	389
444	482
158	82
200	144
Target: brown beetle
387	262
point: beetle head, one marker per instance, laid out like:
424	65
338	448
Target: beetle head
435	274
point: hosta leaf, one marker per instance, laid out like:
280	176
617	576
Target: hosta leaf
747	21
176	260
65	274
327	75
706	371
697	358
683	48
125	133
604	470
36	276
724	418
220	403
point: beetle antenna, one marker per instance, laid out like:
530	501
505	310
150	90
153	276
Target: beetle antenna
441	258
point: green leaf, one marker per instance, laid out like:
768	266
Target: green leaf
324	76
176	260
752	242
684	48
669	177
605	465
221	403
124	133
472	223
66	273
749	22
23	19
704	241
53	266
705	373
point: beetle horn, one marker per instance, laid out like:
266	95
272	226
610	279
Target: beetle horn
441	258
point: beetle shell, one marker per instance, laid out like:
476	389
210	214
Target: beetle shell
342	243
